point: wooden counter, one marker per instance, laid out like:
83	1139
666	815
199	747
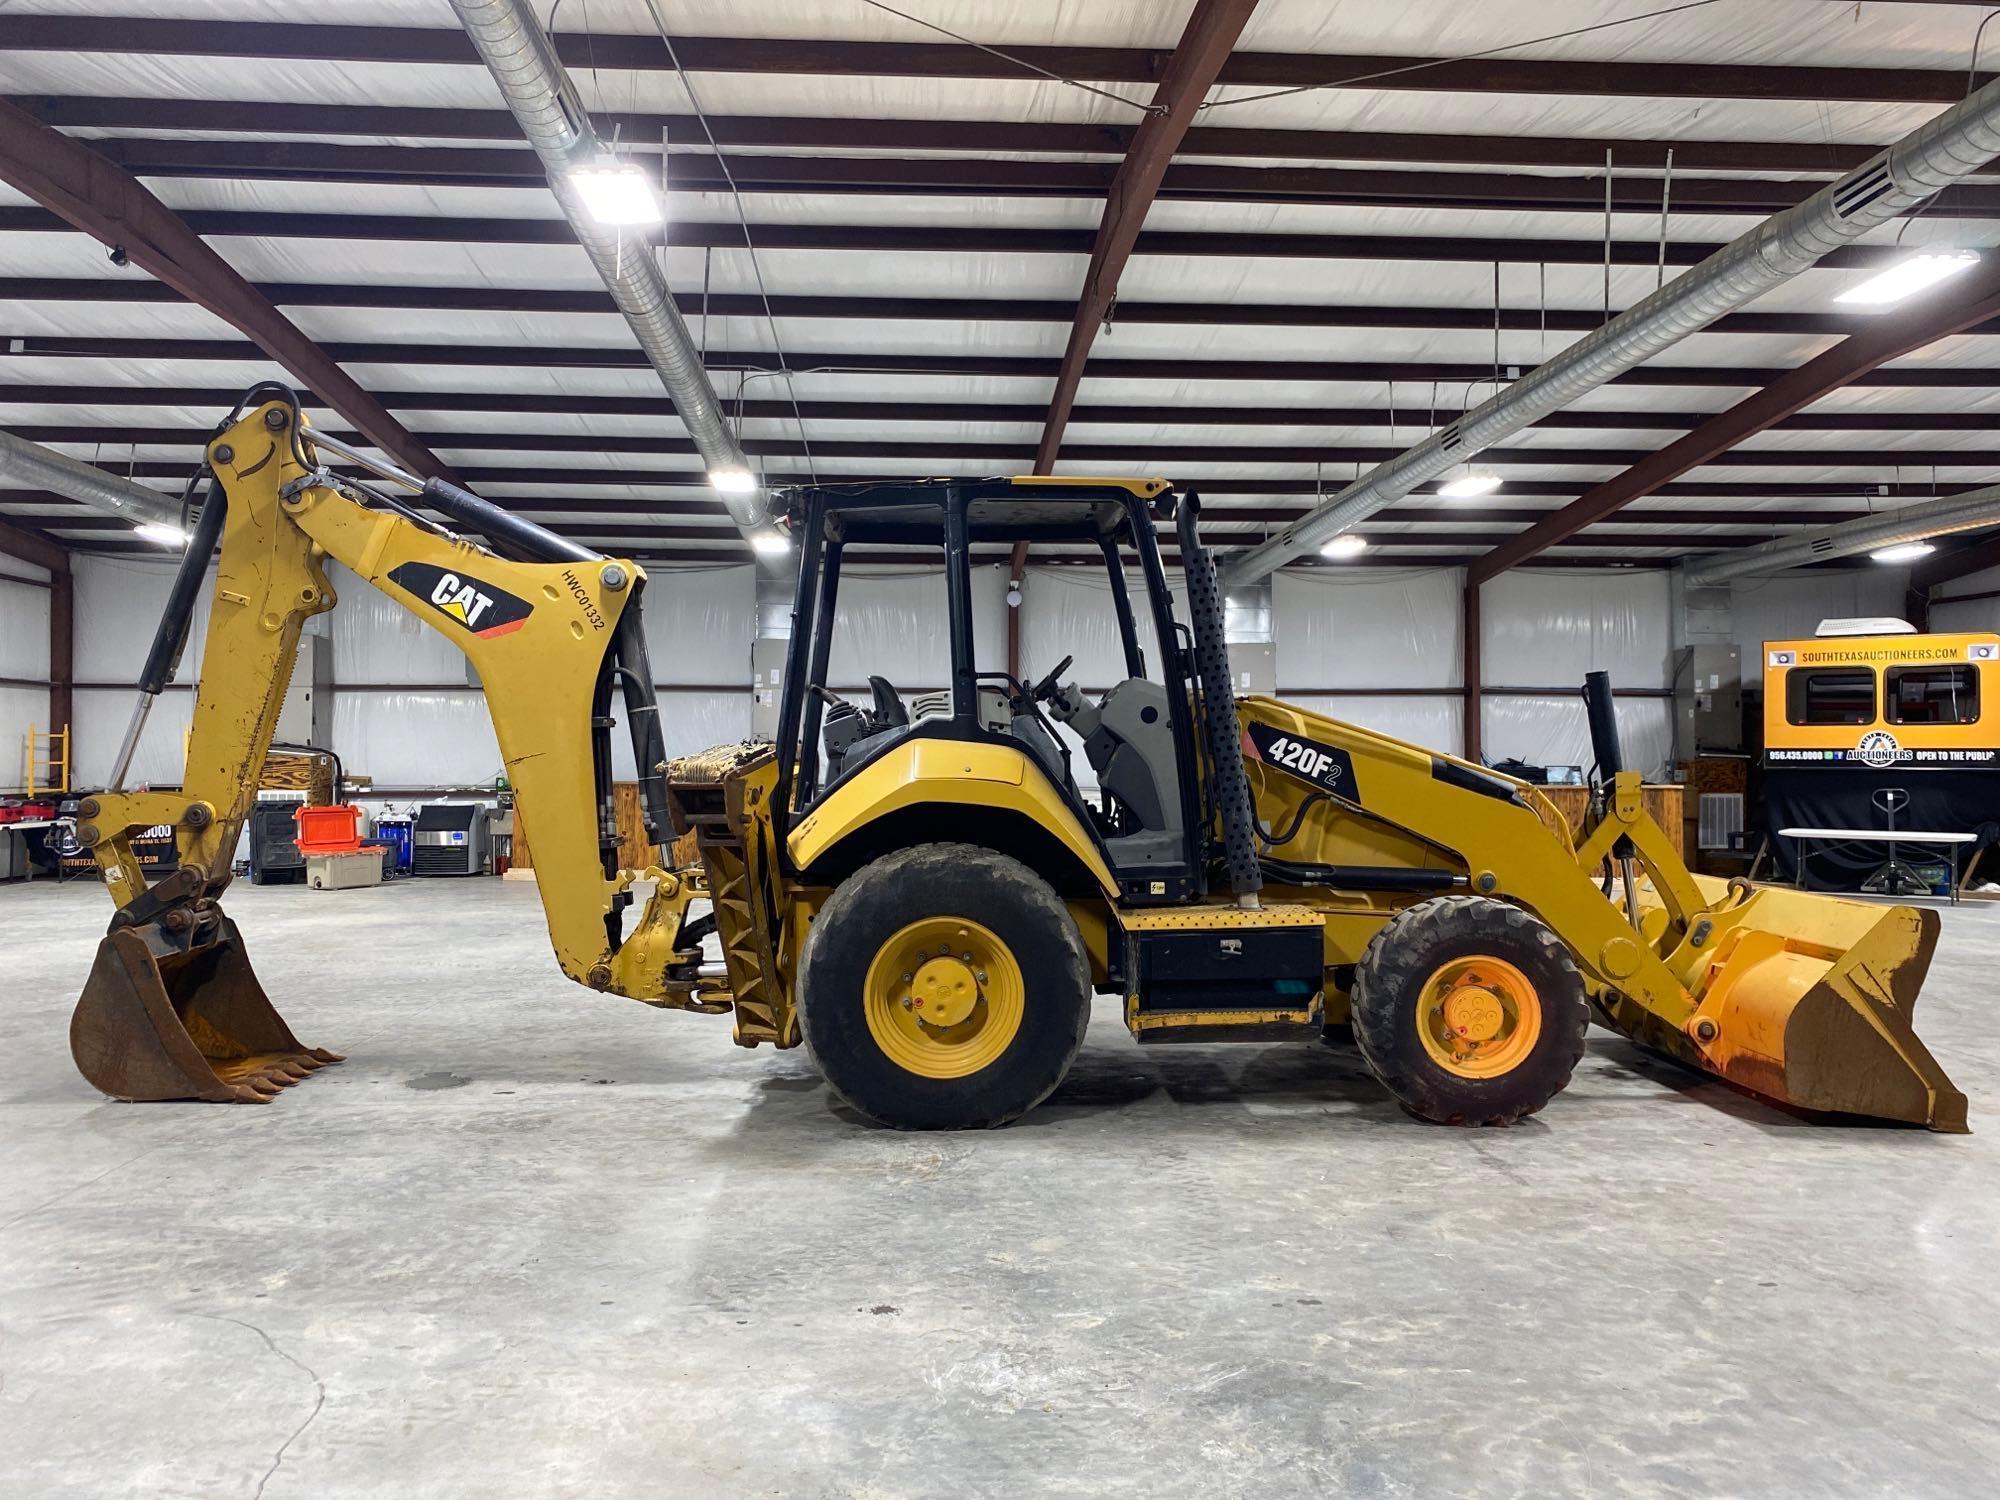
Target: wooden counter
1662	803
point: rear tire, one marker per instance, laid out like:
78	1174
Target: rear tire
911	1033
1469	1011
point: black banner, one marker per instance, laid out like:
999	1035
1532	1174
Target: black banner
1942	800
1327	767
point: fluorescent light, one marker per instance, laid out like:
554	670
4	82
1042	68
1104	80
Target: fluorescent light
1902	552
733	481
166	536
617	193
770	544
1349	545
1466	487
1926	268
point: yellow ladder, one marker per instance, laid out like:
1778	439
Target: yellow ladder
48	760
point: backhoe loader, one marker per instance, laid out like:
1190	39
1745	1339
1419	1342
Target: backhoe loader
926	894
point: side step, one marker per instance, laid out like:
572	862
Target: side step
1223	973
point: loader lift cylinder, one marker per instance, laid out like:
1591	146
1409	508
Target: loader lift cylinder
1602	711
1603	715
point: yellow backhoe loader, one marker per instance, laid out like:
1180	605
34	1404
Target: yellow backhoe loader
926	894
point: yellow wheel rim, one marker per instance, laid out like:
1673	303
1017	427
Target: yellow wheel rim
943	998
1479	1017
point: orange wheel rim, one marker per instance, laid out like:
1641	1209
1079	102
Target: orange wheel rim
1479	1017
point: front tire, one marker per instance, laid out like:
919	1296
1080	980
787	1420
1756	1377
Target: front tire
944	987
1469	1011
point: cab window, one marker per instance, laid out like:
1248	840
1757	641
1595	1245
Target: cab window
1933	695
1830	695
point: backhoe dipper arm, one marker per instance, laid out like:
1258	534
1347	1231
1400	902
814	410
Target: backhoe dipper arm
547	639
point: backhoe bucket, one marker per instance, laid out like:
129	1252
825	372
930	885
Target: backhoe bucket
1807	999
162	1018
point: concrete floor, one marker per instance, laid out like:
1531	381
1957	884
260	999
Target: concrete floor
529	1241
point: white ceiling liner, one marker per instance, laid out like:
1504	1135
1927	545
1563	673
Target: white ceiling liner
1876	398
1772	31
1028	99
1775	31
156	320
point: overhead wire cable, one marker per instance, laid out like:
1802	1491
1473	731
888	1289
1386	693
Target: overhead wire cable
1438	62
1019	62
749	239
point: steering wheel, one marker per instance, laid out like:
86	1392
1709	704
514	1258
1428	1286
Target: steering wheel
1048	686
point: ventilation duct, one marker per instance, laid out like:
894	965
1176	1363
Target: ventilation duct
30	466
517	51
1951	147
1907	523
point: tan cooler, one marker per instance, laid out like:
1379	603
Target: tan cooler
343	872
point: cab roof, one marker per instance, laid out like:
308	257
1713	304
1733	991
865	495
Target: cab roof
1025	507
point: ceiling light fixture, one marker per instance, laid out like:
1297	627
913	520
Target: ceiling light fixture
1906	277
616	193
733	481
770	543
1349	545
1468	485
166	536
1902	552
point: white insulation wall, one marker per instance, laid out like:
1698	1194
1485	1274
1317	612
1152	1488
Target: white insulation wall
24	653
1377	647
1973	614
1546	630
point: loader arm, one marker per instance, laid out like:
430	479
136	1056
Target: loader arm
1802	999
545	639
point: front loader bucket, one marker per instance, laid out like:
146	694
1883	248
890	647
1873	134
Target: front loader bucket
161	1019
1807	1000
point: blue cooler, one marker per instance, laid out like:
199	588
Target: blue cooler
393	833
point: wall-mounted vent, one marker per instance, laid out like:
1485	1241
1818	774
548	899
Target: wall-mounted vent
1721	821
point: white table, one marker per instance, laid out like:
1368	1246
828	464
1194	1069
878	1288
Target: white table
27	864
1890	836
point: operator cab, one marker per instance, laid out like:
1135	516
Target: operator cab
1135	732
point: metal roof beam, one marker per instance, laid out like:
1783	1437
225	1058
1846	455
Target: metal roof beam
100	198
1005	453
603	357
977	137
160	36
942	309
988	240
554	403
1961	303
699	171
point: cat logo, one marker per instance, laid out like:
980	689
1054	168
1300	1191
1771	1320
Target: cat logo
482	608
